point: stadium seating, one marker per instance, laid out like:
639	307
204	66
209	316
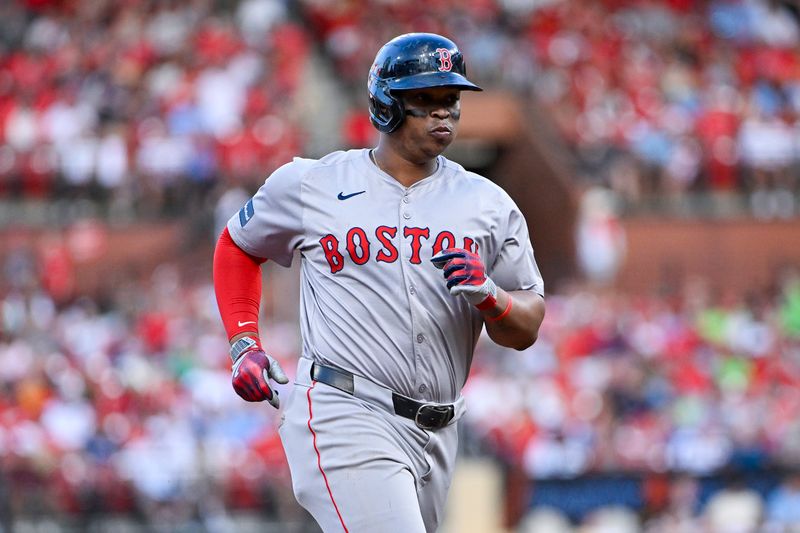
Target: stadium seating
118	403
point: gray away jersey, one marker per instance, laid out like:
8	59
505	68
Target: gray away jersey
371	300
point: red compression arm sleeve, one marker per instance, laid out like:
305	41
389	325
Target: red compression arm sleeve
237	285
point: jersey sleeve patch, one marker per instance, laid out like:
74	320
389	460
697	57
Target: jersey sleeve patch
246	213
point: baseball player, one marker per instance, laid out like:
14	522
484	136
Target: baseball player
405	257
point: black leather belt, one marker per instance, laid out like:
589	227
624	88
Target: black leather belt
426	415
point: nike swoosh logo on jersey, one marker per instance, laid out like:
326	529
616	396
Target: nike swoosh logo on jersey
245	323
343	196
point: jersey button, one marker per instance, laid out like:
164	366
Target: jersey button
423	388
420	338
406	215
405	199
412	290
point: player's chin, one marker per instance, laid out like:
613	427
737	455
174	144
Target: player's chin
438	141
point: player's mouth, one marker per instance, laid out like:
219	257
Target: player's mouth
442	132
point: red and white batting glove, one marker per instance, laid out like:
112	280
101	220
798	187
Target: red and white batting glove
466	275
252	370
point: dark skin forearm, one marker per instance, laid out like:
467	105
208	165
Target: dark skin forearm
519	329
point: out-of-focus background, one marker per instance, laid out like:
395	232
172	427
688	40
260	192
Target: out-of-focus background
654	147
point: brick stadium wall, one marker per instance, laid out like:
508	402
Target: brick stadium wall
533	167
98	254
733	254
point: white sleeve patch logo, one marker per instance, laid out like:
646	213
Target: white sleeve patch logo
246	213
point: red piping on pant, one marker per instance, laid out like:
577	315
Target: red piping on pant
319	459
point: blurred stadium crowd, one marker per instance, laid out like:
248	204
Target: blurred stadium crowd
654	97
146	105
695	382
149	103
121	403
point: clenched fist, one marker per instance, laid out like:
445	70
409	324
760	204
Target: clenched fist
252	371
466	275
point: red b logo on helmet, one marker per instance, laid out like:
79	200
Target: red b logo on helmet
445	63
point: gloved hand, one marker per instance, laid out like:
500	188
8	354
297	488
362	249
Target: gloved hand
252	370
466	275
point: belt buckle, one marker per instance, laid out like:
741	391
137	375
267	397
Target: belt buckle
437	416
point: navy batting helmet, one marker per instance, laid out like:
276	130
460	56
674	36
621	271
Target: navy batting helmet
412	61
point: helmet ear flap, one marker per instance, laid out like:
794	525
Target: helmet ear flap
385	110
